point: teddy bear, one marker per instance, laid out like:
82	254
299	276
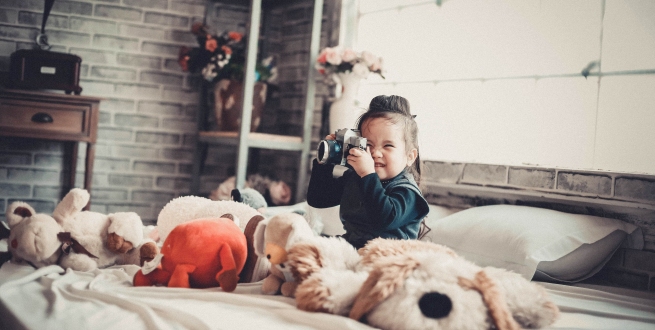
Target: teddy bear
76	239
275	192
201	253
273	237
250	197
278	235
432	286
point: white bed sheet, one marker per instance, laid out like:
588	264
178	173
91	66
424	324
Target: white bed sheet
49	298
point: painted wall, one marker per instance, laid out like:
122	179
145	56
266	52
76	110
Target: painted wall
500	82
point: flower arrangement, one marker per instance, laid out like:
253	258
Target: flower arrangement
333	60
222	57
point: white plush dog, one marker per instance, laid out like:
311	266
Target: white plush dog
420	285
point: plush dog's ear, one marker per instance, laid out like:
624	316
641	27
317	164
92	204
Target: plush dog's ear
258	239
493	298
304	260
382	281
18	211
299	230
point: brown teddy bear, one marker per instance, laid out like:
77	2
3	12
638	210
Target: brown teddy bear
276	237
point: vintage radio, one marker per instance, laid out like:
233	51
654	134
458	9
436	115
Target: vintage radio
42	69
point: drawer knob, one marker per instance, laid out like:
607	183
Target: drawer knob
42	117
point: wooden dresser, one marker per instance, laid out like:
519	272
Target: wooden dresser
51	116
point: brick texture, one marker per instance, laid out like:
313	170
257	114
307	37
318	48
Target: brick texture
147	125
484	174
585	183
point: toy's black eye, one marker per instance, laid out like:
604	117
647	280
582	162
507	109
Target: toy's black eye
435	305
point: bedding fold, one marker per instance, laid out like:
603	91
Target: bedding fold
105	299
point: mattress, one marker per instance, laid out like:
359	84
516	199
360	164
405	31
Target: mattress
51	298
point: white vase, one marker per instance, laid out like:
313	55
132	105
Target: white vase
344	111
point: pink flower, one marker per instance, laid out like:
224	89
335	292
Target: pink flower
331	61
333	57
348	55
211	44
322	57
376	66
236	36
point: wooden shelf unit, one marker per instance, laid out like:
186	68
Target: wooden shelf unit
243	140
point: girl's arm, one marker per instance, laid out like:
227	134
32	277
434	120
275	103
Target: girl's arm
324	190
393	209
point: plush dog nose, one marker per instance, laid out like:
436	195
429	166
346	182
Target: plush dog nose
435	305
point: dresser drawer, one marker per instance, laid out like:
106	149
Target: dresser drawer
51	120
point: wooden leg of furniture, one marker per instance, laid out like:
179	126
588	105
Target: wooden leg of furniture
199	157
70	153
88	170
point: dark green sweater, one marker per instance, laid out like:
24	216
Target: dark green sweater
370	208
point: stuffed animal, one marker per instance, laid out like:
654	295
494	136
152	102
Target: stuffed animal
275	192
88	240
4	236
187	208
432	286
278	235
250	197
272	239
200	253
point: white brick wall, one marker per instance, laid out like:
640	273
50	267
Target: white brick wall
147	121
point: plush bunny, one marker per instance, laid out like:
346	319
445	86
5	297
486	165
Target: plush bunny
76	239
420	285
275	236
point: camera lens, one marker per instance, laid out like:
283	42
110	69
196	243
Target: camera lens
328	152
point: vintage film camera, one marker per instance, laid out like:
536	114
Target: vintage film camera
336	151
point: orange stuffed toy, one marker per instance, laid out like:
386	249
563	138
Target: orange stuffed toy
199	254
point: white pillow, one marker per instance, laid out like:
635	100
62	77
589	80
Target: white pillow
522	239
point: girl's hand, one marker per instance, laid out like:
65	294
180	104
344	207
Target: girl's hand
330	137
361	161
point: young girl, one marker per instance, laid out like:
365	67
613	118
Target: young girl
379	197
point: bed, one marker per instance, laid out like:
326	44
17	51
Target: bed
53	298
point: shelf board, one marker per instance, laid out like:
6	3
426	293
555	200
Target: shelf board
255	140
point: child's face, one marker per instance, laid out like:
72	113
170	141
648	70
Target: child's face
386	142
